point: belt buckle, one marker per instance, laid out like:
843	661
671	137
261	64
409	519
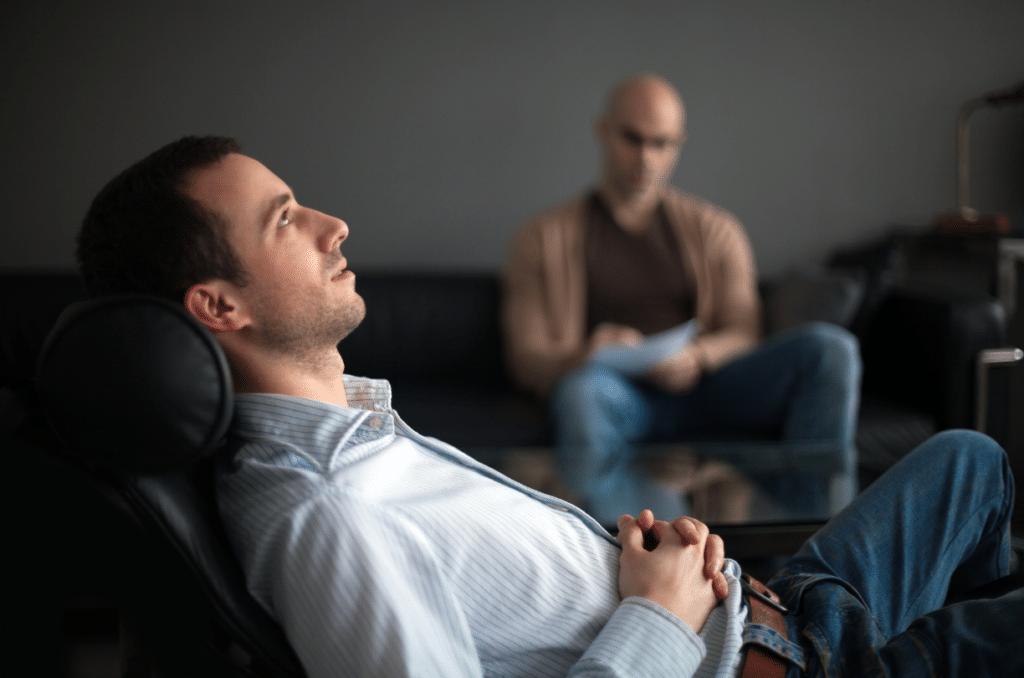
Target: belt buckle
751	591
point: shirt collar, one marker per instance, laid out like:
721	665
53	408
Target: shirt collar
368	394
597	202
289	429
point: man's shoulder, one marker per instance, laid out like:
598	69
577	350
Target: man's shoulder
560	225
269	486
560	214
696	208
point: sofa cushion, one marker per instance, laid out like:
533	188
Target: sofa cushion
471	415
427	326
886	432
808	294
877	259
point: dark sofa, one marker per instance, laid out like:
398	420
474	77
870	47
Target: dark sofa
435	336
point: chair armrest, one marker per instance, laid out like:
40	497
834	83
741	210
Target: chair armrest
921	349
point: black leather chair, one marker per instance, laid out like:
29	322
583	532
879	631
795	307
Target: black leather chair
137	398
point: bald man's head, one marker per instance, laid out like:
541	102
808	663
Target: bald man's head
645	89
641	131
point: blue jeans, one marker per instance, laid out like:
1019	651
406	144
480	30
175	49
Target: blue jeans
867	590
801	386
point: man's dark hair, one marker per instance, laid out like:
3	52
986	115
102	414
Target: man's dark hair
142	234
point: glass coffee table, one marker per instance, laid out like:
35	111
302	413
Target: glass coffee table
763	498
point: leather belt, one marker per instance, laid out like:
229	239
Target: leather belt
767	610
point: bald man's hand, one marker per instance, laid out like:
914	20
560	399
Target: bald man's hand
677	373
612	334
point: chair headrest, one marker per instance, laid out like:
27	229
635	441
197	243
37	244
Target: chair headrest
135	383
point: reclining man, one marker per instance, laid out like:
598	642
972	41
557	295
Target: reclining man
634	257
382	552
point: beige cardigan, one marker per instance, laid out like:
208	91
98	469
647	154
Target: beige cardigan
545	289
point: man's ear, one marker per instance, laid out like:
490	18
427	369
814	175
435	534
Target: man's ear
218	305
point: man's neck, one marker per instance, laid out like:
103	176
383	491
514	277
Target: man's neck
634	213
320	379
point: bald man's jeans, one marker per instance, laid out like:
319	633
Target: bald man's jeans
803	383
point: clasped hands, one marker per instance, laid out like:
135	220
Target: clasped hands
682	573
677	373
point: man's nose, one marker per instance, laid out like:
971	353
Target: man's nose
333	232
648	153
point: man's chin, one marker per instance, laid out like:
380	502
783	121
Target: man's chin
351	317
638	188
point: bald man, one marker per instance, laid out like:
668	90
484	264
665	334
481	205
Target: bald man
632	257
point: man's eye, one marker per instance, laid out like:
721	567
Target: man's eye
284	220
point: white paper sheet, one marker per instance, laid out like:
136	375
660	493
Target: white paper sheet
636	361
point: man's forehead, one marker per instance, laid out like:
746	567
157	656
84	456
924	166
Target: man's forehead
649	130
648	106
236	186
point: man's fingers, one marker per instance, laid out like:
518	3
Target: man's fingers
714	555
652	536
611	334
714	561
631	336
720	585
687	531
691	530
670	378
631	537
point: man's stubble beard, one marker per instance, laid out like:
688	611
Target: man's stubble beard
625	186
309	337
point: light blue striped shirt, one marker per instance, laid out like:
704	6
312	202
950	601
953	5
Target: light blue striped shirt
383	552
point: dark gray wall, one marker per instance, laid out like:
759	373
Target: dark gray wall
434	128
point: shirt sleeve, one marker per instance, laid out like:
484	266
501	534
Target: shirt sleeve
536	352
731	309
642	639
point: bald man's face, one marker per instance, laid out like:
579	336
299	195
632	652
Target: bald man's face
641	136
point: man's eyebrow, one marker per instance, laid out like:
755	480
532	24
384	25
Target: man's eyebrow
275	204
634	135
